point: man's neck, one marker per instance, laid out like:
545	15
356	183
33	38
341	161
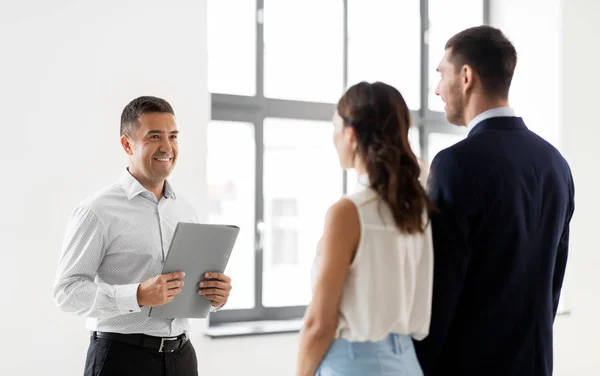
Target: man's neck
156	188
158	191
481	105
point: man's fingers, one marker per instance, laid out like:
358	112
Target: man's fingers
173	292
213	292
174	275
217	300
220	276
214	284
174	284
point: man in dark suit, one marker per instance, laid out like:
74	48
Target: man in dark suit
501	232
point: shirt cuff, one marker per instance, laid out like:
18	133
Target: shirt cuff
214	309
127	298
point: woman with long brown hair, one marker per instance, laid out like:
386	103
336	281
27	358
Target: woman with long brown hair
372	279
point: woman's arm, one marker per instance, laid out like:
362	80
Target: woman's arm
338	247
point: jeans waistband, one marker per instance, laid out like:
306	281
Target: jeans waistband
396	343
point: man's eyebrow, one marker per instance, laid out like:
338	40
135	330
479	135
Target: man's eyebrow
161	132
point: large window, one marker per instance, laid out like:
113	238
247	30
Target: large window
276	70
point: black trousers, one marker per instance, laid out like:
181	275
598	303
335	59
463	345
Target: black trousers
107	357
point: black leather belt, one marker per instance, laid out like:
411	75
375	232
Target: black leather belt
160	344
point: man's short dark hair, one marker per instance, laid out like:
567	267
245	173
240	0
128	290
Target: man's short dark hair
491	55
140	106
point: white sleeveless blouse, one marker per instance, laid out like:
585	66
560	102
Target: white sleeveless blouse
389	285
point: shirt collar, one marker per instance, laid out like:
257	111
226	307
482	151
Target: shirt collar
492	113
169	192
133	187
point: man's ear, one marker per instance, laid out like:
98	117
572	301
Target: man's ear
126	144
467	75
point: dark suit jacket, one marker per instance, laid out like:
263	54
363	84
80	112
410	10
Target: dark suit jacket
505	200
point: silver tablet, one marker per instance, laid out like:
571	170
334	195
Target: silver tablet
195	249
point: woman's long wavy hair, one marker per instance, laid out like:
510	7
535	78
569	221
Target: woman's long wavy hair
380	118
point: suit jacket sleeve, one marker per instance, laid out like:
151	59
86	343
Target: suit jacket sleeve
453	190
563	250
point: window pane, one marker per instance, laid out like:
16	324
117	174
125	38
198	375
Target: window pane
231	199
447	18
302	178
413	139
384	44
441	141
232	47
304	50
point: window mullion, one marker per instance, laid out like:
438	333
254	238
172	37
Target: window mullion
259	210
260	49
486	12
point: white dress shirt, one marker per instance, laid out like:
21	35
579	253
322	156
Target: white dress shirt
492	113
115	240
389	286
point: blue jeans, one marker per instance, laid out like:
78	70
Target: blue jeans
395	355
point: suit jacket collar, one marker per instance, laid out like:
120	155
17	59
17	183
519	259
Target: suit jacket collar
505	123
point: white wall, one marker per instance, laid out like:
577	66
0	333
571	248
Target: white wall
577	336
67	69
554	88
533	26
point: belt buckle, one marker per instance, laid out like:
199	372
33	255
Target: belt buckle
162	343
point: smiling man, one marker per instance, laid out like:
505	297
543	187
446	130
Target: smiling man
114	250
